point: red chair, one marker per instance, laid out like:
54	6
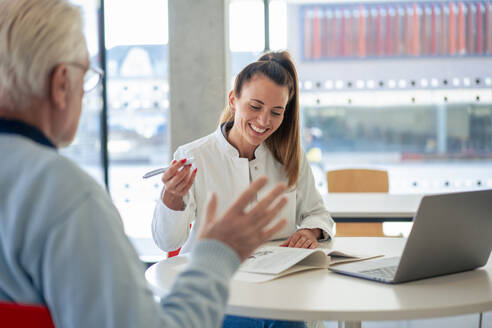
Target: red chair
173	253
24	316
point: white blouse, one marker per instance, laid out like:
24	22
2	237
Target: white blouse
221	170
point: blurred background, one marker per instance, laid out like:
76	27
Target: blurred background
398	85
403	86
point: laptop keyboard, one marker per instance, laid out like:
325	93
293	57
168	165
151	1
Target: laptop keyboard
385	273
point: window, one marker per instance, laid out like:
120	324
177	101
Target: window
246	33
138	103
278	25
86	147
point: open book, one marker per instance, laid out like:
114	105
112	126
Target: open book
270	262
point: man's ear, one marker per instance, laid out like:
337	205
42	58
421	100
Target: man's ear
59	87
232	101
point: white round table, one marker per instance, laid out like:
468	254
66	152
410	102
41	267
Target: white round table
324	295
370	206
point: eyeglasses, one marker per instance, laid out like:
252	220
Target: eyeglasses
92	77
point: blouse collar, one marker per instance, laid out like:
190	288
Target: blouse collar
221	133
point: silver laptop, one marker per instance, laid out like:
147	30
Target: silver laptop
451	233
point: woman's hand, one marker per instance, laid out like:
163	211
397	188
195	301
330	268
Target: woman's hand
303	238
177	183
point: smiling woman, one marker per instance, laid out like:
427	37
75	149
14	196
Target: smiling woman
276	71
258	136
258	113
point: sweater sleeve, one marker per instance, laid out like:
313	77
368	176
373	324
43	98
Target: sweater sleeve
170	229
311	212
91	276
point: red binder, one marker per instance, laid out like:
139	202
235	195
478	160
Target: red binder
425	29
316	34
479	29
424	40
362	33
389	32
461	29
470	46
397	32
334	34
488	28
325	34
452	30
433	49
415	31
444	30
369	33
349	30
408	31
343	34
379	33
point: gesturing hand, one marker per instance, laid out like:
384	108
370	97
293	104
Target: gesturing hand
303	238
245	230
177	183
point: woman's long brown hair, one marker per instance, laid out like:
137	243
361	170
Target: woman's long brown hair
285	143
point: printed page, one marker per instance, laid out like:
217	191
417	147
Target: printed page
339	257
274	259
334	260
263	277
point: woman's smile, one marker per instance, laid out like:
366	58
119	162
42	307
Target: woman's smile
257	130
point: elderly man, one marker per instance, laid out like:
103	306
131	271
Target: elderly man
61	239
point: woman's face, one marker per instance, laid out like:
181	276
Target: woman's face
258	112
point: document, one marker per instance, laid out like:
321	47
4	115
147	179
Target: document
270	262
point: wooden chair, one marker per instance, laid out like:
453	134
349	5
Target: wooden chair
358	180
24	315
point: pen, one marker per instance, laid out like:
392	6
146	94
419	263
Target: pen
164	169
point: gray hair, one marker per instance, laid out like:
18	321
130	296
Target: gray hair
35	36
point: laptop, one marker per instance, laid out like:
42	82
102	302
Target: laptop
451	233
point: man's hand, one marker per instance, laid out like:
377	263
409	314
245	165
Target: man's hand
303	238
244	230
